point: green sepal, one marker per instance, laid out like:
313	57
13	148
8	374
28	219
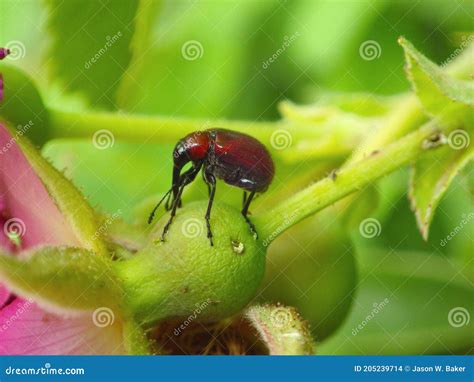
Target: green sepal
442	96
281	329
63	279
67	198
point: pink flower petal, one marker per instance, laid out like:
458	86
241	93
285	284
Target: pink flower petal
4	295
30	209
4	52
1	87
26	329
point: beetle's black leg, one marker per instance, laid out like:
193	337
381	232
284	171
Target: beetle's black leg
152	215
207	183
167	202
245	210
185	179
211	182
173	212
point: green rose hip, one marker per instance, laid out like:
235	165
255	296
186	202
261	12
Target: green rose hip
185	275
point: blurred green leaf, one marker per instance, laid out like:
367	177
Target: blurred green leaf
116	178
399	227
364	203
23	106
312	267
407	303
142	41
91	45
197	67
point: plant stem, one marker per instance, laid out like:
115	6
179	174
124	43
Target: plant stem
352	178
142	128
168	130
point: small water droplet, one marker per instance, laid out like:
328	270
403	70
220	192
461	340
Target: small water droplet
238	247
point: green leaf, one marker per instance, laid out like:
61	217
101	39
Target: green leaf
23	106
432	174
406	304
441	95
62	278
281	329
312	267
138	171
140	44
184	71
361	207
91	45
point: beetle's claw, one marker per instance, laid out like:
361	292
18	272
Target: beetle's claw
209	236
252	228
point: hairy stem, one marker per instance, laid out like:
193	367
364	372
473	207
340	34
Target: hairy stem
351	178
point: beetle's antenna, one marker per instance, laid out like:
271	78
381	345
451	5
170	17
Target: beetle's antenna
152	215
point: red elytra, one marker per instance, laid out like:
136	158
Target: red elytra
238	159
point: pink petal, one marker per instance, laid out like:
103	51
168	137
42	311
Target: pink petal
27	201
26	329
4	52
4	295
1	87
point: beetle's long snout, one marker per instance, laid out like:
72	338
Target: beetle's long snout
176	181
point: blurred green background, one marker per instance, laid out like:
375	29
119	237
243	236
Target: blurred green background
323	266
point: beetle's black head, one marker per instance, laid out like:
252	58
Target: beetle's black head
181	155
